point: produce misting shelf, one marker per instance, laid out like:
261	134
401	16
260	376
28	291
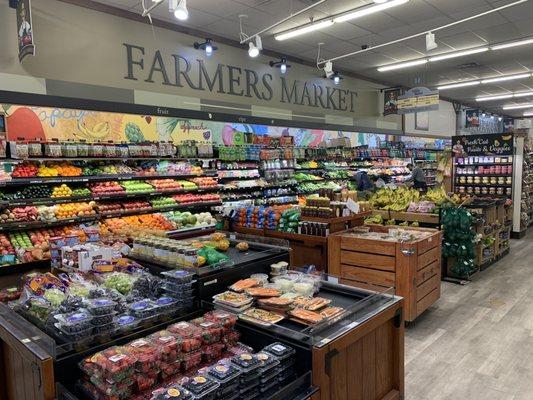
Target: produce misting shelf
16	226
99	178
120	196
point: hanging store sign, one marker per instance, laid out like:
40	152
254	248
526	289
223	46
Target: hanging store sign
390	101
418	99
483	145
25	29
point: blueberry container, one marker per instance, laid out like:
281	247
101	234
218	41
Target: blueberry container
143	308
126	323
280	350
202	387
226	375
168	304
172	392
74	322
269	385
104	319
181	292
179	276
250	395
106	328
74	336
101	306
269	362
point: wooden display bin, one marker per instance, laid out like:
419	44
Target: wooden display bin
366	363
308	249
415	217
413	269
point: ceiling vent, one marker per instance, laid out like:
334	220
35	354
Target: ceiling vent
469	65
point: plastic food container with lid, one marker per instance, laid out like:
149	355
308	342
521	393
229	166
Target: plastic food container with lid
170	369
211	331
148	355
190	334
268	362
248	363
191	360
226	374
167	304
213	351
202	387
125	323
172	392
115	364
101	306
169	344
179	276
74	322
280	350
121	392
111	388
143	308
225	319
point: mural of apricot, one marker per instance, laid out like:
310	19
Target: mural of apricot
23	123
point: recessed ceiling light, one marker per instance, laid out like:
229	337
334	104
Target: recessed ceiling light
517	106
495	97
512	44
458	85
363	11
402	65
303	30
506	78
458	54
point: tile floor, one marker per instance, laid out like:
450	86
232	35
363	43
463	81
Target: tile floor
476	342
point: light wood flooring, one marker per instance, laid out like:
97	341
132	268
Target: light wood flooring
476	342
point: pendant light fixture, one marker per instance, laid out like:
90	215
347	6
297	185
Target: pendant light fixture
207	46
281	64
179	9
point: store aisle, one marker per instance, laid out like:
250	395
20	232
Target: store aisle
476	342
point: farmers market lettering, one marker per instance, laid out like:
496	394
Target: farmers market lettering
178	71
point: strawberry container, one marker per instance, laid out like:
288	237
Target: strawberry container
169	344
148	355
170	368
211	331
116	364
231	338
191	360
145	381
213	351
93	392
111	388
224	319
190	334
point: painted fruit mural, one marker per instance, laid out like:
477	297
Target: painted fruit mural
22	122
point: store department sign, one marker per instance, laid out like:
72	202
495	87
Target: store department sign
483	145
179	71
417	100
25	29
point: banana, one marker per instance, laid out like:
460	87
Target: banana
99	132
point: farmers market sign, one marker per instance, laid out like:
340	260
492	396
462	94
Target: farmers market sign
179	71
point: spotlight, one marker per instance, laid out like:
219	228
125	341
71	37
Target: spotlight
336	78
500	119
492	117
483	115
207	46
328	69
179	8
255	49
281	64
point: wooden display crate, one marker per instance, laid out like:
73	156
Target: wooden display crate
415	217
385	214
413	269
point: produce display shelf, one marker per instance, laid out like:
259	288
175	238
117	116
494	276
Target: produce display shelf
188	232
312	180
15	226
98	178
481	164
128	158
483	185
488	175
120	196
245	178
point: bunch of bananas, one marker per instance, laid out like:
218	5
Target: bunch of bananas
394	199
